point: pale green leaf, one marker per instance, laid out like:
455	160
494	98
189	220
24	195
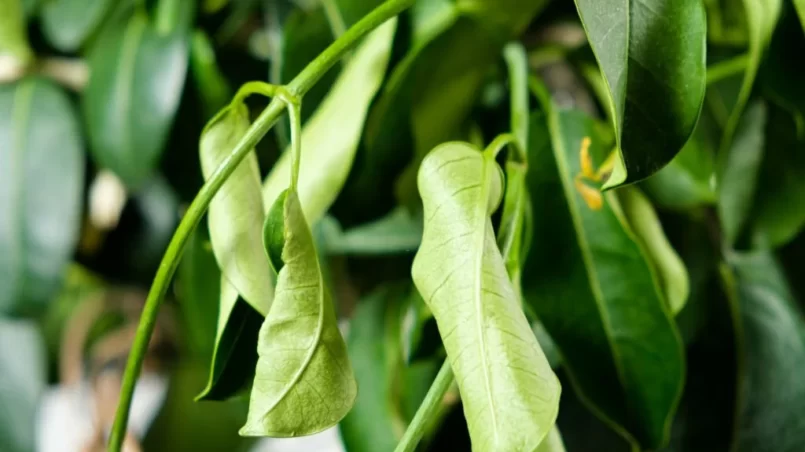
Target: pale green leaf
509	392
303	383
668	266
68	23
652	55
331	136
236	212
553	442
396	233
800	6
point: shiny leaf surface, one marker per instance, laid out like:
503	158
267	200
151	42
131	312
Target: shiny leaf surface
68	23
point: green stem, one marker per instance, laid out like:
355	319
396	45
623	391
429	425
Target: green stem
502	141
517	63
428	409
727	68
166	16
298	87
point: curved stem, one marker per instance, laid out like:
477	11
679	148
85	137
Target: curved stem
502	141
428	409
300	85
727	68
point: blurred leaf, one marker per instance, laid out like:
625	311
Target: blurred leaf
778	214
158	207
213	6
22	380
198	290
771	358
726	22
234	355
617	339
800	6
552	443
236	213
377	421
303	382
687	181
136	81
656	91
489	342
738	172
67	23
780	80
331	137
420	335
41	183
761	16
212	87
668	266
397	233
13	32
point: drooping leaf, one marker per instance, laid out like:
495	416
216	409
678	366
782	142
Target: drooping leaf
771	356
617	338
41	181
22	380
332	134
396	233
236	212
136	81
646	227
378	419
738	172
13	38
461	275
303	382
652	55
233	354
68	23
761	18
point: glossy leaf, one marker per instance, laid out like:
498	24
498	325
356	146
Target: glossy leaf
461	275
13	38
761	17
236	213
378	419
136	81
738	172
771	390
617	339
303	382
23	375
41	183
67	23
652	55
332	134
234	355
397	233
648	231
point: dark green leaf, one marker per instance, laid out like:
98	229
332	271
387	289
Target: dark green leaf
234	355
22	380
726	22
771	390
236	213
646	227
13	37
738	172
331	137
68	23
652	55
462	276
213	88
617	339
41	182
396	233
136	81
303	382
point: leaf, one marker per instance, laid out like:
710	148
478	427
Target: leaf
552	442
199	287
799	5
41	184
68	23
726	22
617	339
648	231
771	356
13	37
213	88
303	382
332	134
396	233
738	172
462	277
652	55
234	355
136	81
23	376
236	212
377	421
761	17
